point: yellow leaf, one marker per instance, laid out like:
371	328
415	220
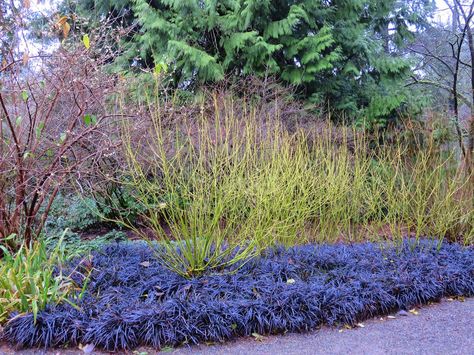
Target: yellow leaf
413	311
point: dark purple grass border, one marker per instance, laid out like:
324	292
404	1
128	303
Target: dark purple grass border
130	303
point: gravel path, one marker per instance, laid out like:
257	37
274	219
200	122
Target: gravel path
444	328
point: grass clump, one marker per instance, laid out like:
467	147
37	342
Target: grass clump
32	278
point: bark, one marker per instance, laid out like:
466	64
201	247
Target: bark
470	144
468	15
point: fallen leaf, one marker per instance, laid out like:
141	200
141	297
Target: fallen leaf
402	313
87	349
414	311
258	337
256	293
360	325
391	317
290	281
341	330
145	264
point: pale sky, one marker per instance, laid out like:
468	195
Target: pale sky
34	47
443	13
38	5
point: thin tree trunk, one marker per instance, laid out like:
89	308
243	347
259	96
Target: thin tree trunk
456	96
466	32
470	143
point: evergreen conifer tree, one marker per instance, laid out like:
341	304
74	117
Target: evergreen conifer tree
345	52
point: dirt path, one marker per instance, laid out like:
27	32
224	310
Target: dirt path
444	328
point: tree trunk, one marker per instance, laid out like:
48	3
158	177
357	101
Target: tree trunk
470	143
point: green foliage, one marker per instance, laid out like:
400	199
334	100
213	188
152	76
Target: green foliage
72	212
340	52
32	278
189	58
80	213
72	215
73	245
115	201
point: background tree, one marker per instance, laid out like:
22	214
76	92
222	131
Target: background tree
446	52
345	54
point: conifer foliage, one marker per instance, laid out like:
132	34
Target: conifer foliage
345	52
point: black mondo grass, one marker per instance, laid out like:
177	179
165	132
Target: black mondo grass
131	299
